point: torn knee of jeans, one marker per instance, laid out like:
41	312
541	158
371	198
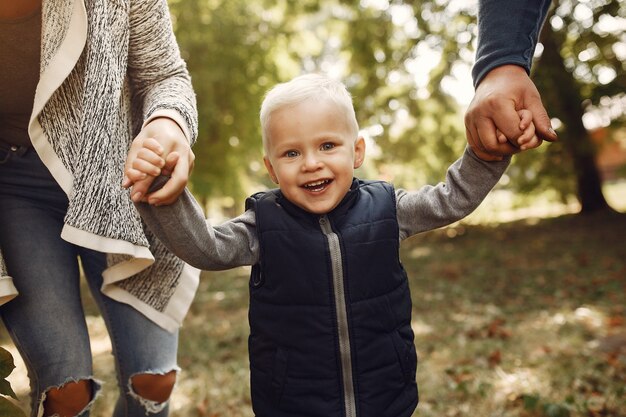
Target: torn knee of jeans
152	389
94	385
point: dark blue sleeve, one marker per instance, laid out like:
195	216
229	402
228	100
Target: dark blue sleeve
507	33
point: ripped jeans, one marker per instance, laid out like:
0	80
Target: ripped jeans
46	320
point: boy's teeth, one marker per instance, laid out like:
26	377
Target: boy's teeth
316	184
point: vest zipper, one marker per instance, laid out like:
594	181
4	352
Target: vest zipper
342	316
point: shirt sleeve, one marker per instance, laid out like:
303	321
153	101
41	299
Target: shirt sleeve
468	181
183	229
507	33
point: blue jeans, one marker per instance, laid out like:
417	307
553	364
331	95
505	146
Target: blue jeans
46	320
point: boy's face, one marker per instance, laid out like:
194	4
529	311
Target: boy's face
312	154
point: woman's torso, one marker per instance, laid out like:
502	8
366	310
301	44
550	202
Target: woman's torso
20	44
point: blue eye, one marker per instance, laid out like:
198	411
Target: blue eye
291	154
327	146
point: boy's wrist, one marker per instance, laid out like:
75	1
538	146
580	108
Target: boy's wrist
489	158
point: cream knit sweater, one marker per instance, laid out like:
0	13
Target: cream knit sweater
107	68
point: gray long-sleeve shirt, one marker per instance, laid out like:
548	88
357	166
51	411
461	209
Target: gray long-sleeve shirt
184	230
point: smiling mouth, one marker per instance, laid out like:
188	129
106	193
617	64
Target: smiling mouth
317	186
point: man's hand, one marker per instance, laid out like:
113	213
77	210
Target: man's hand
160	148
494	113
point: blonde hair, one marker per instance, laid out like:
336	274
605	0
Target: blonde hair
303	88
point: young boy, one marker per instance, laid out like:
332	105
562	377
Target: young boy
330	309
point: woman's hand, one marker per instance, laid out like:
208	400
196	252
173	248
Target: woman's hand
160	148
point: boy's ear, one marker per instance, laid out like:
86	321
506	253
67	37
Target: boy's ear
270	169
359	152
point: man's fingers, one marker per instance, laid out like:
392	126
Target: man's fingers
501	137
488	139
477	148
486	135
526	119
470	133
507	121
541	120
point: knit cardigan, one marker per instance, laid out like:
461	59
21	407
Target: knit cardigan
107	69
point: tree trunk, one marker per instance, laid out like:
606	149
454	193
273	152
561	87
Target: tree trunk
563	99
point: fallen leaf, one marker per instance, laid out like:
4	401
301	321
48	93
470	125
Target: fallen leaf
495	358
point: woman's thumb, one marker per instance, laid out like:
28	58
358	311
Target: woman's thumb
170	163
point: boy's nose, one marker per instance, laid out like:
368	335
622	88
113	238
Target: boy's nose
311	162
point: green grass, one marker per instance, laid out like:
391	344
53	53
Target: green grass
517	319
514	318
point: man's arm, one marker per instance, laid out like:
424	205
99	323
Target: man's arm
507	36
508	31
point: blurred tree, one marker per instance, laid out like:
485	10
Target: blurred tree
580	74
237	49
394	57
404	62
578	70
229	48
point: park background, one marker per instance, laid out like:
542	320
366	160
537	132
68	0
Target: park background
518	310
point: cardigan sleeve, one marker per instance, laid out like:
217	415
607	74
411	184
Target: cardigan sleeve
507	33
159	78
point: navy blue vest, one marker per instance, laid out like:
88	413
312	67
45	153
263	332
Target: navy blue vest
330	310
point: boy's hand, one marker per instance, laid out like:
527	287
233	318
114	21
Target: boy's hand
147	161
529	138
160	148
